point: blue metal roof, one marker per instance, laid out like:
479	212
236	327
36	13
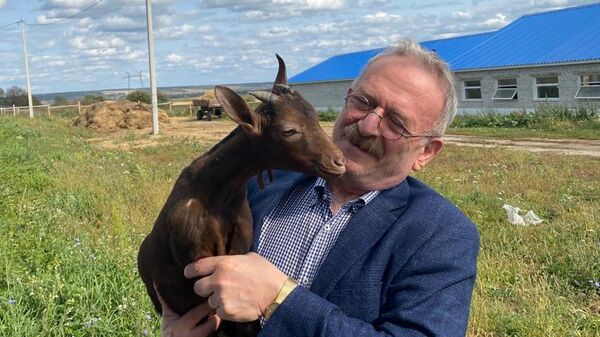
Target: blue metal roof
560	36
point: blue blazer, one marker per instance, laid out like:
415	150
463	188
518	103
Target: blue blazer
405	265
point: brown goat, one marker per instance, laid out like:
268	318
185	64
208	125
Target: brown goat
207	213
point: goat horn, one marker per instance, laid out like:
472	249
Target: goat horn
264	96
285	88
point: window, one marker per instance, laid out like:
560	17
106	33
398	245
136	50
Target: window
546	87
589	87
507	89
472	89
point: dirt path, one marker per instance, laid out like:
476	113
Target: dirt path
561	146
211	132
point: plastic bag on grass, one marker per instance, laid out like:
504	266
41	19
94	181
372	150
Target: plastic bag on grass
513	215
514	218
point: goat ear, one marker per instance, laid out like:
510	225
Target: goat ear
237	109
281	76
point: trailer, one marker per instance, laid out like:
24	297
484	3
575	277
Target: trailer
207	109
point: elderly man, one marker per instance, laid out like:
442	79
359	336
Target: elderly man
375	252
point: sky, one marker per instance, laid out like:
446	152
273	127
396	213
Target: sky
78	45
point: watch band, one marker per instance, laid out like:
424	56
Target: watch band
285	290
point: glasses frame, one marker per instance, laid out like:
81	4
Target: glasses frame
405	134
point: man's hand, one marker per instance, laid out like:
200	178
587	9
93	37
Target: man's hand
174	325
239	287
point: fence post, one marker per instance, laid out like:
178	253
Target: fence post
190	106
170	109
78	107
48	106
14	111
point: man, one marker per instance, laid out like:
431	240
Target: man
375	252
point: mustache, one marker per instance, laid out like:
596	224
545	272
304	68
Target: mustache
370	144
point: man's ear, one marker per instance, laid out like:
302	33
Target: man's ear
430	150
237	109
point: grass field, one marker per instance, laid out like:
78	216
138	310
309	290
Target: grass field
72	216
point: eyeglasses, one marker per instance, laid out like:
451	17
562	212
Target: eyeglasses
390	125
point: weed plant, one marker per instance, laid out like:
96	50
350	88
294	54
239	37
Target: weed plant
72	217
328	115
553	120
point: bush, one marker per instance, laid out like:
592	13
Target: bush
91	99
139	96
546	116
60	100
144	97
328	115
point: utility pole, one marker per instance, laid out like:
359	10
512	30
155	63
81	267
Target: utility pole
152	68
128	82
141	80
25	57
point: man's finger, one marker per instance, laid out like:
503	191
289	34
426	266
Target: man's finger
202	267
195	314
207	327
204	287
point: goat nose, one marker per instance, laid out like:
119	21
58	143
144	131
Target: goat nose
340	162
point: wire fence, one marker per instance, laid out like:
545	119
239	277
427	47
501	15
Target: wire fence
175	108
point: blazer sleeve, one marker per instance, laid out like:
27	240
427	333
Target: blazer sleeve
429	295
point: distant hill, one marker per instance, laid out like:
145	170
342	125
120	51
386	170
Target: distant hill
172	92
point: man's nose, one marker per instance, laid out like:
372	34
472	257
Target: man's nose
369	125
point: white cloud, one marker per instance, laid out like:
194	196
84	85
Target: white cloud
175	58
381	17
121	23
89	42
462	15
185	30
277	32
325	4
497	21
329	27
2	3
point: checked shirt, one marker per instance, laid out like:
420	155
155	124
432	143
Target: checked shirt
299	232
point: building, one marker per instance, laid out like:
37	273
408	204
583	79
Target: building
550	57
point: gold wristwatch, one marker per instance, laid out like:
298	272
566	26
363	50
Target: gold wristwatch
286	289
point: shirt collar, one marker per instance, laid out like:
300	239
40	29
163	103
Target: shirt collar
323	193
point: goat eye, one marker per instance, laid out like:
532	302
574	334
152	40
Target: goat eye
288	132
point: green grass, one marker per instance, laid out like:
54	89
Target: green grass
72	217
520	133
547	121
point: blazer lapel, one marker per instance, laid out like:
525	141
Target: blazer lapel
365	228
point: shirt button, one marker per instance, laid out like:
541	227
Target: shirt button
305	281
327	227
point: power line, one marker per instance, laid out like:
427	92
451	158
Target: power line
8	25
68	17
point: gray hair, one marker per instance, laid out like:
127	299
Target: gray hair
432	63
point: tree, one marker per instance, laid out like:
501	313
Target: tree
161	97
15	91
139	96
91	99
1	92
60	100
144	97
18	96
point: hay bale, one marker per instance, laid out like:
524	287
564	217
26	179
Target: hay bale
111	115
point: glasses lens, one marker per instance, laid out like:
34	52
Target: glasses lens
391	130
359	102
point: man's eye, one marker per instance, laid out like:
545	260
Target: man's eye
396	123
289	132
361	103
